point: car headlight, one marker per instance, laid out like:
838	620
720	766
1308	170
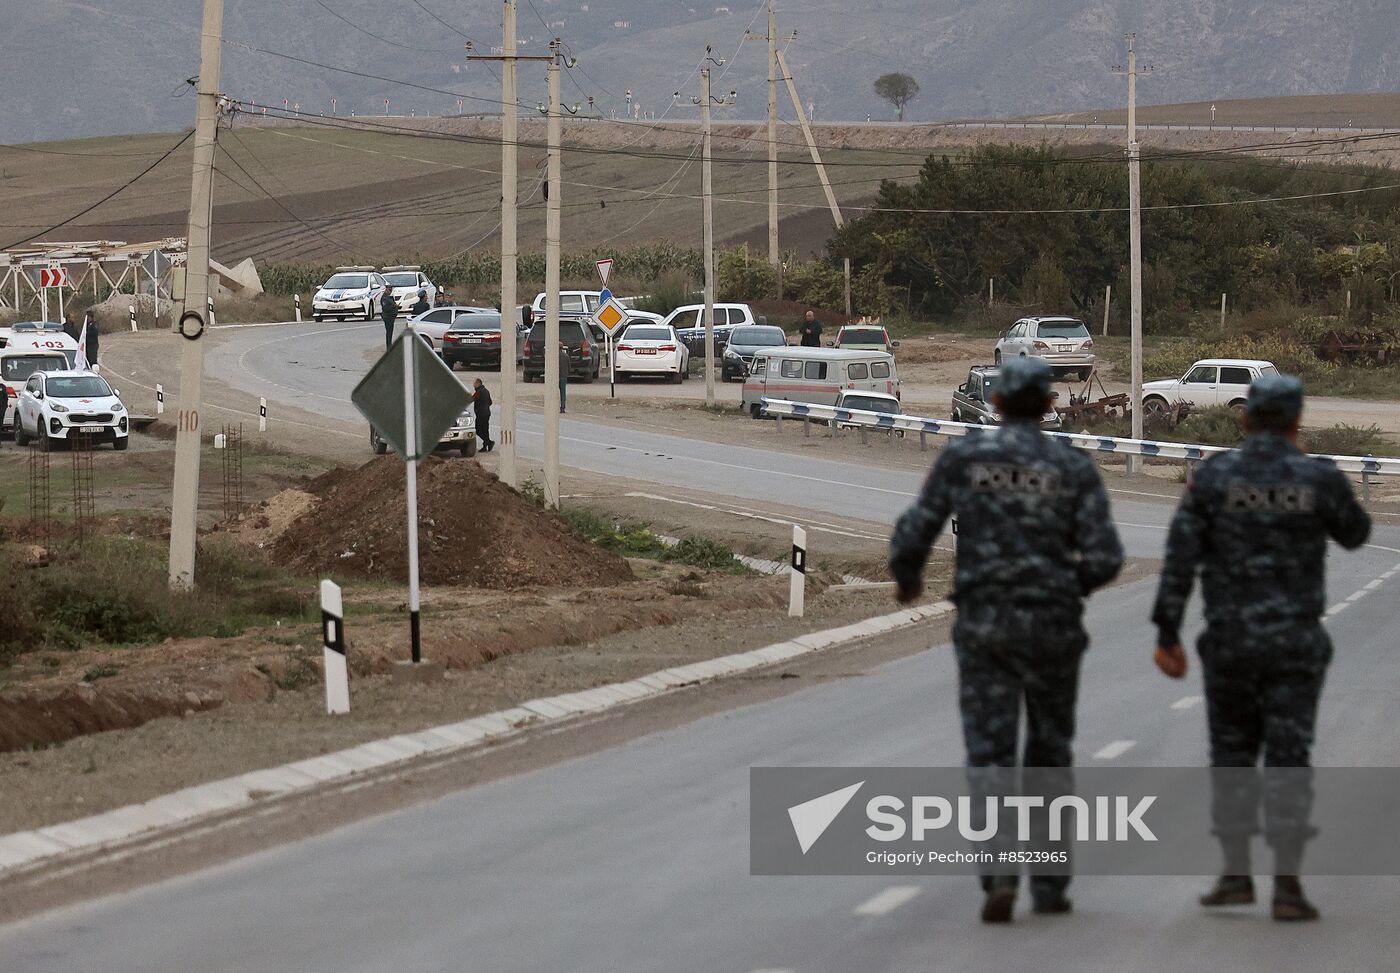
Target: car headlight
731	353
55	407
118	408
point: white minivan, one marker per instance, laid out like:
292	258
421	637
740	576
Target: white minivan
816	375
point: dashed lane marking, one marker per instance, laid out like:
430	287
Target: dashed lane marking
1115	750
1186	702
883	903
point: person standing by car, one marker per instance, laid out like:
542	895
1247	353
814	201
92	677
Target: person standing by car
481	405
389	312
1256	522
563	376
420	306
1035	538
69	328
811	331
94	336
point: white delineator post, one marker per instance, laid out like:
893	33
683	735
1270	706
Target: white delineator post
160	400
797	589
296	298
410	422
131	309
333	640
262	415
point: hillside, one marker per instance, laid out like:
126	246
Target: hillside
87	69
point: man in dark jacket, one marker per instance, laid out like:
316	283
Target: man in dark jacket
481	404
69	328
94	335
811	331
1035	538
389	312
1256	522
420	306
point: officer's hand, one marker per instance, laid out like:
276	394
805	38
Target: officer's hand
1172	661
907	595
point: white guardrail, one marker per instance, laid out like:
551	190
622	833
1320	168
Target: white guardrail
883	422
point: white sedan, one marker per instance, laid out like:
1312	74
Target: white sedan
59	406
432	325
652	349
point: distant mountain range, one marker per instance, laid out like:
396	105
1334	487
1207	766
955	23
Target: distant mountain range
73	68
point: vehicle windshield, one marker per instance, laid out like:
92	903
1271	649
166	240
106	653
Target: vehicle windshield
479	322
1063	329
864	336
635	333
1268	370
347	282
77	387
402	280
871	403
17	369
758	337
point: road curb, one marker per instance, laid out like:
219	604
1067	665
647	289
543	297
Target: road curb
24	849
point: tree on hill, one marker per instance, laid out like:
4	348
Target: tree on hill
898	89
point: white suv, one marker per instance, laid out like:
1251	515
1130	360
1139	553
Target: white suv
65	405
406	282
1209	382
689	322
1063	343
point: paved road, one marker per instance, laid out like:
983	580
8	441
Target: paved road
635	858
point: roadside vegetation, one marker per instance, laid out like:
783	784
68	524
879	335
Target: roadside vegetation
114	591
1224	426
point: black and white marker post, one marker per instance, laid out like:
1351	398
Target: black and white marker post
262	415
160	400
333	639
131	308
797	597
297	299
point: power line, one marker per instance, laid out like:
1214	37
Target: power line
379	37
126	185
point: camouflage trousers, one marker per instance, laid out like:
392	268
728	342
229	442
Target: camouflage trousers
1262	691
1010	659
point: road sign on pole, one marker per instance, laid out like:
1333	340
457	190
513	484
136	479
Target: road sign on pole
610	316
54	277
411	398
605	271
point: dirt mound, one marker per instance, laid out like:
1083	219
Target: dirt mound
474	531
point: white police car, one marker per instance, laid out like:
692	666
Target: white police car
63	405
351	292
406	282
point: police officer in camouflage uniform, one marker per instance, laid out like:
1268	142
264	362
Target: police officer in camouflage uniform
1256	521
1035	536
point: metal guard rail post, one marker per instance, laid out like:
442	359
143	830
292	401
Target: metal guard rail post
1363	465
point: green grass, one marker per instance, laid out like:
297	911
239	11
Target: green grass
633	540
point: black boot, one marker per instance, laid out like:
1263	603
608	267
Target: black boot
1230	890
1290	905
1000	901
1052	904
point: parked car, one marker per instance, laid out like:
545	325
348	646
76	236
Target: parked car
1209	382
62	405
744	343
864	337
570	302
888	405
651	349
433	325
585	353
406	282
17	364
1064	343
690	325
461	437
816	375
351	292
475	341
972	401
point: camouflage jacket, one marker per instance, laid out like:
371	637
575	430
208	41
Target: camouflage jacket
1255	521
1033	520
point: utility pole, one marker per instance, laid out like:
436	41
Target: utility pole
1135	244
707	191
510	247
552	402
775	258
184	505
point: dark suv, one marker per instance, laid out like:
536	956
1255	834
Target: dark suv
972	400
585	353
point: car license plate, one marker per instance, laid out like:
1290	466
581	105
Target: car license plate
646	351
92	429
1065	347
471	341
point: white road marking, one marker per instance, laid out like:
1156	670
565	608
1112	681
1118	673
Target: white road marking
885	902
774	970
1115	749
1186	702
756	516
1358	595
1376	584
1337	609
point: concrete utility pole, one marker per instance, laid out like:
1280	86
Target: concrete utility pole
775	258
184	505
707	191
1135	244
551	283
510	248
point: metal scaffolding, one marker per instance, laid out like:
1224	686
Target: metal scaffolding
100	268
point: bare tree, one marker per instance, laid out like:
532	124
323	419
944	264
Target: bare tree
898	89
